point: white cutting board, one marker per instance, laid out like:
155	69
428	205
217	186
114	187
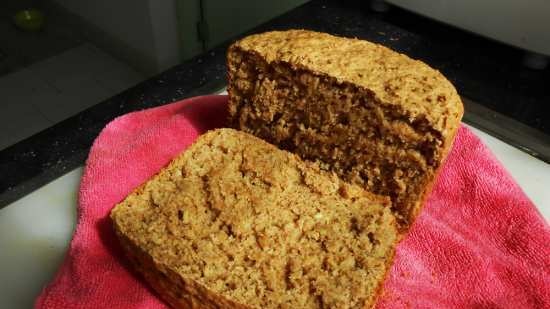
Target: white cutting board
34	234
35	230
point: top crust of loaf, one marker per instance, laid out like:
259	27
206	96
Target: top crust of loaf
409	86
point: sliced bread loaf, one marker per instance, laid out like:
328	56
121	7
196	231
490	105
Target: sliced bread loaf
234	222
375	117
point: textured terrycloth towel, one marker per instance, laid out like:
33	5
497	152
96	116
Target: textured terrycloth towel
479	243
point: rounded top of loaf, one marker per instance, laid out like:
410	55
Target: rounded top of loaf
410	87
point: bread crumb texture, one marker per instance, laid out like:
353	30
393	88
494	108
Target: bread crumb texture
234	222
413	88
375	117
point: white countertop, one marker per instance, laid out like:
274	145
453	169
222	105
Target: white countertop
35	230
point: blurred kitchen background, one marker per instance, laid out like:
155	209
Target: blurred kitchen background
77	53
83	52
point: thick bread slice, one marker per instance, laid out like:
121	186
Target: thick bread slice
234	222
375	117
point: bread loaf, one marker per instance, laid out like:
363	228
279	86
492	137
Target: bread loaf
234	222
375	117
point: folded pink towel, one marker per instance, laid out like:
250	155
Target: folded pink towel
479	243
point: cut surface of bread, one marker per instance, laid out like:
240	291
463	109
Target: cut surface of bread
375	117
234	222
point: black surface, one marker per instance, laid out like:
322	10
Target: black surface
482	70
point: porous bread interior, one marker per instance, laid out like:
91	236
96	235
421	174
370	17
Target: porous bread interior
336	123
407	87
258	226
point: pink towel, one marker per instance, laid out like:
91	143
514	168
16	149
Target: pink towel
479	243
